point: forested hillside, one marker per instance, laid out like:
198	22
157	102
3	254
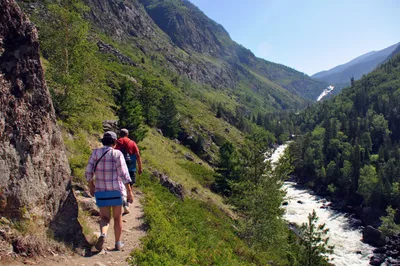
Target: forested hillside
351	150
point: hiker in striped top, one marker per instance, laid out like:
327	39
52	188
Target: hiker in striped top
108	178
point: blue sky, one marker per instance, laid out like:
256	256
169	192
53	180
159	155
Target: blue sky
308	35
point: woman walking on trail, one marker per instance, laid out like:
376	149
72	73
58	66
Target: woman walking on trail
108	178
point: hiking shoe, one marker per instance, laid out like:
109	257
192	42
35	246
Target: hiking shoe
119	245
126	210
100	243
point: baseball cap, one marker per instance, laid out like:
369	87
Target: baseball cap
110	135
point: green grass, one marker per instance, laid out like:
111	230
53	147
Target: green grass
164	155
189	232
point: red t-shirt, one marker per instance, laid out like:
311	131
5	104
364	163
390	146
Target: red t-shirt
128	144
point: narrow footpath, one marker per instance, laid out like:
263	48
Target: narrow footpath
133	230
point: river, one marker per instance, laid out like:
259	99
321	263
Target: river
349	249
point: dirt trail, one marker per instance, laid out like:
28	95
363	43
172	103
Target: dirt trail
133	230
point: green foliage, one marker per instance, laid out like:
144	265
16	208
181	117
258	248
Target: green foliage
257	195
354	139
188	232
150	96
130	111
315	243
74	75
388	226
228	169
79	153
368	182
168	120
204	175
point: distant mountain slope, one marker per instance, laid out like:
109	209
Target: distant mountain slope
182	38
339	76
191	30
394	53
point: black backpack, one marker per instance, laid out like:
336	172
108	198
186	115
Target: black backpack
127	156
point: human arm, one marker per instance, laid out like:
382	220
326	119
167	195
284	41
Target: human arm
139	162
129	193
92	187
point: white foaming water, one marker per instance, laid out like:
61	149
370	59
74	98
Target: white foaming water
325	92
349	249
345	238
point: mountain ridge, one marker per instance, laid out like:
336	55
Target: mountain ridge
339	76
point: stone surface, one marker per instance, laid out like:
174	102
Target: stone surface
173	187
373	236
109	49
34	170
189	156
377	259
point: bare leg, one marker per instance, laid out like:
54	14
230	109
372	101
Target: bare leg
104	224
105	219
117	213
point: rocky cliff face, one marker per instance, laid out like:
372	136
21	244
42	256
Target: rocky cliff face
34	170
197	47
128	22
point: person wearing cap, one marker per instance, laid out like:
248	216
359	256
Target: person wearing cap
107	171
126	145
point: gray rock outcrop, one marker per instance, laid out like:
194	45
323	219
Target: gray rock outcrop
34	170
173	187
373	236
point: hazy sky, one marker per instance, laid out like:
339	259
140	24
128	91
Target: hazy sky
308	35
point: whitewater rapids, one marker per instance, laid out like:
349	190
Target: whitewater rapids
349	249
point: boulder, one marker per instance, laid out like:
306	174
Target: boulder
111	125
89	205
373	236
380	250
189	157
173	187
377	259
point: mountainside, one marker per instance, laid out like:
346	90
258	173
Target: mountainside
394	53
339	76
178	35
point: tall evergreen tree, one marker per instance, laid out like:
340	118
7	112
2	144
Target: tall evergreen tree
130	111
313	238
168	120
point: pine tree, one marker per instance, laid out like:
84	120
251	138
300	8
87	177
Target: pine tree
168	120
130	112
314	240
150	96
228	169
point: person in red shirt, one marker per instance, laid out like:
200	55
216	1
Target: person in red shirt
132	156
